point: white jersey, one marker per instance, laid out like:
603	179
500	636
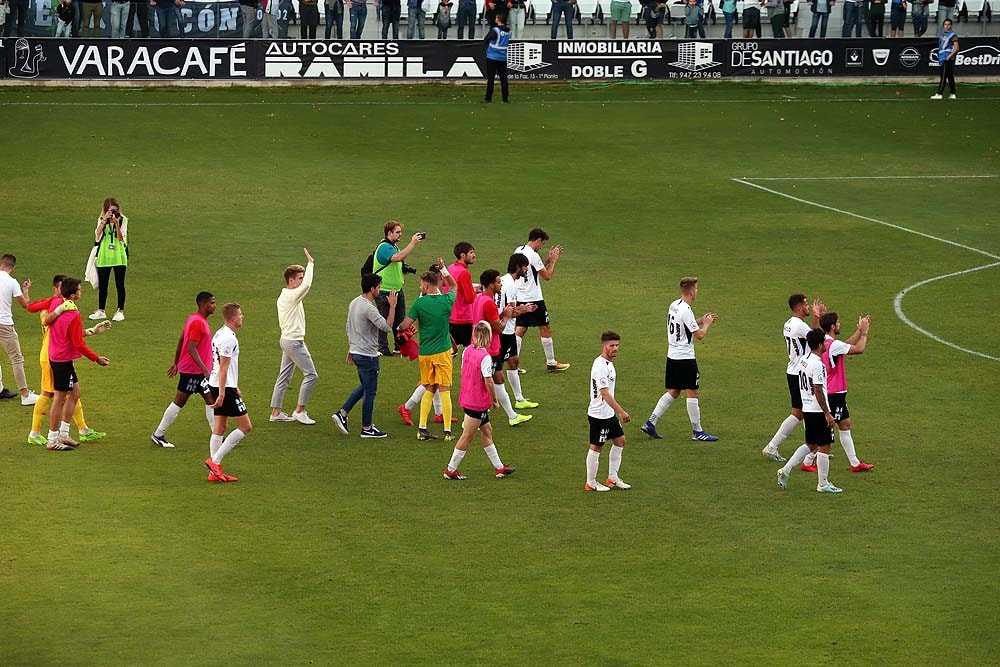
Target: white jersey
602	376
224	344
681	325
811	372
507	295
10	289
795	332
528	288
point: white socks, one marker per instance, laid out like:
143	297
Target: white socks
494	457
847	442
661	407
227	445
796	459
437	404
456	459
785	430
169	416
823	463
514	380
504	400
520	339
614	461
810	459
414	400
64	429
213	444
550	355
593	459
694	414
210	416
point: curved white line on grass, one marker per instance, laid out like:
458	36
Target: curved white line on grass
898	305
898	301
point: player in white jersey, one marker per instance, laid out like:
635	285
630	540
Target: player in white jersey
795	331
517	268
530	291
816	413
224	385
682	369
604	424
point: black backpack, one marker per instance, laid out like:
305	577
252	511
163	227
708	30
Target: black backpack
369	264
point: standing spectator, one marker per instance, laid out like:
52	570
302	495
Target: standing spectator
364	325
692	18
460	323
653	12
788	18
876	18
415	18
140	9
467	17
119	18
271	10
853	17
729	14
391	11
918	11
92	11
166	17
566	9
65	345
111	239
294	353
529	290
516	15
334	17
388	262
248	17
820	16
945	12
776	14
224	383
442	19
897	18
11	291
621	14
751	18
309	16
605	416
359	12
947	50
63	20
704	16
18	15
477	397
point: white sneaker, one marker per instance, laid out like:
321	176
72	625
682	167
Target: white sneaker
119	316
30	399
936	96
303	418
596	486
617	484
953	97
281	417
98	315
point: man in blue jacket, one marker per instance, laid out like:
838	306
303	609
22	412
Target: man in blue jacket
496	56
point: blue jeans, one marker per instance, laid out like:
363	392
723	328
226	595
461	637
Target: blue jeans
729	24
119	19
358	15
853	18
564	8
368	374
821	21
166	18
467	17
334	21
415	19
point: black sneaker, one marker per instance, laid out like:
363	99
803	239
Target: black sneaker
160	441
373	432
424	434
7	393
340	420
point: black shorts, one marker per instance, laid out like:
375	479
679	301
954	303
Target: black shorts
63	375
508	346
192	383
751	18
793	391
232	404
817	432
483	416
602	430
462	333
537	318
838	406
681	374
897	18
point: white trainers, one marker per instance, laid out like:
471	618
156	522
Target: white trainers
281	417
303	418
953	97
119	316
98	315
829	488
596	486
30	399
617	484
936	96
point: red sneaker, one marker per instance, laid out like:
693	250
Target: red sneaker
862	467
406	415
439	419
505	471
212	477
456	475
811	468
213	467
228	478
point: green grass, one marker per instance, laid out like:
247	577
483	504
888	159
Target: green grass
331	549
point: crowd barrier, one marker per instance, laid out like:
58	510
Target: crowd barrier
261	60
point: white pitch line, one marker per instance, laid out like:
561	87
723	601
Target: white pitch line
898	301
865	178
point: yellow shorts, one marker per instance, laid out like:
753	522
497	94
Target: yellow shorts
436	369
47	384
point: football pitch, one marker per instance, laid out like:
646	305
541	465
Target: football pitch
337	550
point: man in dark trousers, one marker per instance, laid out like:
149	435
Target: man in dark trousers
496	57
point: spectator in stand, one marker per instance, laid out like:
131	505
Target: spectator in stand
918	10
788	18
854	12
358	11
492	8
334	17
776	14
140	9
92	12
442	19
391	11
897	18
467	17
876	18
566	9
820	16
945	12
621	13
309	16
415	18
516	15
704	16
166	16
111	239
119	18
692	19
271	10
63	20
18	15
729	14
751	18
248	17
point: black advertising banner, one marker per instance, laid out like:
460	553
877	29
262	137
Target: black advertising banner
599	60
